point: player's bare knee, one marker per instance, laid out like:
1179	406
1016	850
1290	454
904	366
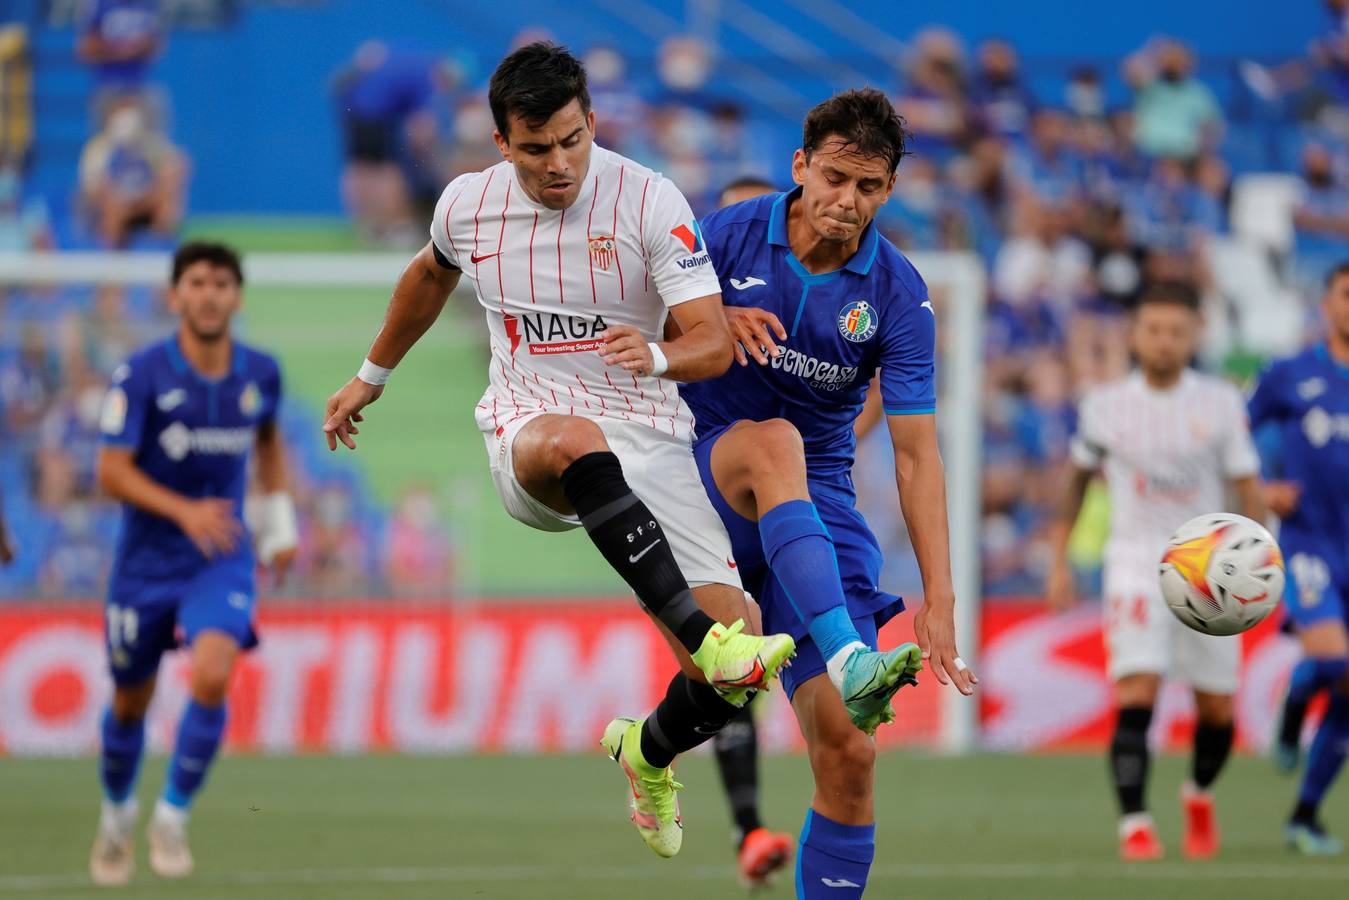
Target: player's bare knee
849	756
1214	709
210	682
131	703
778	447
569	440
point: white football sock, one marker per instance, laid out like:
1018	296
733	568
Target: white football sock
168	814
834	666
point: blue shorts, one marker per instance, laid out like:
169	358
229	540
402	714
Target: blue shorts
1316	587
859	566
144	617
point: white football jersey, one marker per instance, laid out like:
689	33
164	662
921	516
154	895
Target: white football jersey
551	281
1167	456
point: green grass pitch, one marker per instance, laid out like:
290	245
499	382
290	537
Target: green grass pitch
352	828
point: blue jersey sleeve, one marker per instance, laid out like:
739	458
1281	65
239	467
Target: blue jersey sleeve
271	394
908	360
126	405
1267	404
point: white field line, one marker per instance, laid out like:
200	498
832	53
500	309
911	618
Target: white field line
1028	871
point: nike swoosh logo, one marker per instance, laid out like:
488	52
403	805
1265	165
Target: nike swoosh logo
747	283
927	305
1243	601
633	559
477	259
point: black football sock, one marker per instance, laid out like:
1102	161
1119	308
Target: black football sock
690	714
632	541
737	749
1129	757
1212	746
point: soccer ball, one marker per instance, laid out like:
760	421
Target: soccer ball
1222	573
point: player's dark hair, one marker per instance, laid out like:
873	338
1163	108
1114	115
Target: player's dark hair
533	83
1340	269
749	181
218	255
865	119
1173	293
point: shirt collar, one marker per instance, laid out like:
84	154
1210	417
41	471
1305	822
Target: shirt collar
861	261
183	367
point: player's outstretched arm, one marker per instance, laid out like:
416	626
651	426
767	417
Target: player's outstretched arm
1250	496
417	300
1059	585
922	494
209	522
701	350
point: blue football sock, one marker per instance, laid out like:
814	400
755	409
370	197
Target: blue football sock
119	760
834	859
801	555
1327	752
199	736
1312	674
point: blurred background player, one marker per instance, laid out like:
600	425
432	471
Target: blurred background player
564	434
759	851
805	552
1306	398
1168	440
178	425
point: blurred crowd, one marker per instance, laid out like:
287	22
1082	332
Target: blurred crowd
1073	197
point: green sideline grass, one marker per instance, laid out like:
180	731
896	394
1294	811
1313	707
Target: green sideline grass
374	828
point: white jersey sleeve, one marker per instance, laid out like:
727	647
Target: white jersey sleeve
440	235
1239	456
675	252
1088	445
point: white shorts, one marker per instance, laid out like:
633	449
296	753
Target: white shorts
661	472
1143	636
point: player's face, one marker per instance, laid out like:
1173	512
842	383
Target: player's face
841	190
1336	306
206	297
1164	337
551	160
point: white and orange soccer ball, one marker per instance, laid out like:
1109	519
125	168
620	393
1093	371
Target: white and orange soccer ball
1222	573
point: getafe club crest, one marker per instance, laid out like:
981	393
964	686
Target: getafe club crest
858	321
250	400
602	250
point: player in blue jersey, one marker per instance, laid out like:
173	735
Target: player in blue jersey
1307	399
178	425
820	301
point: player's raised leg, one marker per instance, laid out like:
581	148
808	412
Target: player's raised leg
1212	746
759	469
199	734
565	463
1135	696
122	744
838	840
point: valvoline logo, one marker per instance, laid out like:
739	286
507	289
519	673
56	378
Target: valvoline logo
692	237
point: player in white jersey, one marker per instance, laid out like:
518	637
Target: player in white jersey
577	256
1169	442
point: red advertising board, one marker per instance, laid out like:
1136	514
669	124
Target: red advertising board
522	677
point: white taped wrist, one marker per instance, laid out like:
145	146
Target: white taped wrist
658	361
275	526
373	374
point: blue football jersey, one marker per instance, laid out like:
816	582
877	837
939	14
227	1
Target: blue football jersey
1307	398
842	327
189	434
